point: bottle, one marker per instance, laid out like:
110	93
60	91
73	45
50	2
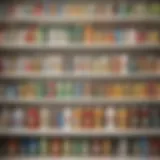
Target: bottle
43	146
77	147
60	119
133	117
88	34
122	118
50	89
110	114
144	145
107	147
96	147
144	121
85	147
154	117
44	117
5	118
56	147
12	147
18	118
67	147
77	118
33	146
67	118
24	147
32	118
122	148
88	118
99	117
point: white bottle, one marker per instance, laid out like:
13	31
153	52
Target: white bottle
122	148
18	118
67	118
110	117
44	118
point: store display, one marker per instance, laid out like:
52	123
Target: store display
79	79
108	64
95	117
82	147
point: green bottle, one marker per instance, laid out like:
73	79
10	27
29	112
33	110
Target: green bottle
40	90
43	147
67	147
77	147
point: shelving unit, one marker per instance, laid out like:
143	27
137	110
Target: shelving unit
83	48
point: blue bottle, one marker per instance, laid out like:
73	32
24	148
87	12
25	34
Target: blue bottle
60	119
144	147
24	147
33	147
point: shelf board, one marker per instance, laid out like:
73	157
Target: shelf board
79	46
80	100
80	158
70	75
44	19
72	132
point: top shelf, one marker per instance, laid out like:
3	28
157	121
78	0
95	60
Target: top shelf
81	20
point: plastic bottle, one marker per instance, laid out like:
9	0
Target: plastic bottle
56	147
18	118
96	147
44	117
5	116
99	117
67	147
33	147
88	34
110	114
107	147
67	113
44	147
33	118
85	147
122	148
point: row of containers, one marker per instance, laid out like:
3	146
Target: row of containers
76	89
105	147
83	8
85	34
73	118
81	64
